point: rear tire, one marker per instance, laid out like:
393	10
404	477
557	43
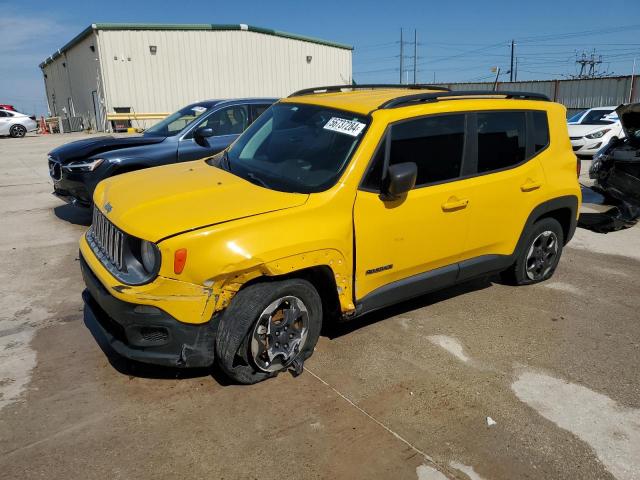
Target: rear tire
249	348
540	256
18	131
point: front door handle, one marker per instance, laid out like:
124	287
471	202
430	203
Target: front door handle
454	204
530	185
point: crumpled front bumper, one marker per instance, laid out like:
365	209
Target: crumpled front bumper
146	334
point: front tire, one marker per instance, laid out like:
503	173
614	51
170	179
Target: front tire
539	258
268	328
18	131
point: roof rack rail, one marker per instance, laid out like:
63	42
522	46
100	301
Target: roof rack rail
459	95
367	86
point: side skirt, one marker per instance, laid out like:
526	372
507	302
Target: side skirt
430	281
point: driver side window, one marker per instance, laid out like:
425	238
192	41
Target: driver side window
434	143
227	121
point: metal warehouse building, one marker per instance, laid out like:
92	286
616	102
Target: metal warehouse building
143	72
575	94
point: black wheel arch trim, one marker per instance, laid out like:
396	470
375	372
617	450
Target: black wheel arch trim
567	202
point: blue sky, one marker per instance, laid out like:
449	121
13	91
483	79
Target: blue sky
457	41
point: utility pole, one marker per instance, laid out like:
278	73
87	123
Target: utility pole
495	84
415	55
592	62
401	55
515	76
633	79
513	47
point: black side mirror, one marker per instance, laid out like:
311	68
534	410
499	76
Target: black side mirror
201	134
401	178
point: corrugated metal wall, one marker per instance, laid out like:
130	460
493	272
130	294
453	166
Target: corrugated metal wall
196	65
573	94
75	75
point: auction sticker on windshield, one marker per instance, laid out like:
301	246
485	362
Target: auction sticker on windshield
348	127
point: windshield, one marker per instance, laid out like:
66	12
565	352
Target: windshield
598	117
296	148
575	118
176	122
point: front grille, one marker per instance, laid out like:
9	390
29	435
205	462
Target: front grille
575	138
107	238
55	170
154	334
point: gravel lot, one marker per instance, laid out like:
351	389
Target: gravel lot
481	381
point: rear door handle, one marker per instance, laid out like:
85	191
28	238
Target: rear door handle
530	185
454	204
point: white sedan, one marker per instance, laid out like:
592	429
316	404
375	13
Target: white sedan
592	129
16	124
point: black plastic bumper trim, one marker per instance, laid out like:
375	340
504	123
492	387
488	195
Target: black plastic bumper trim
176	344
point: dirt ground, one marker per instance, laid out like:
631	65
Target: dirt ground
481	381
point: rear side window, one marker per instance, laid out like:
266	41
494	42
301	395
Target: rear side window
434	143
502	140
228	121
540	130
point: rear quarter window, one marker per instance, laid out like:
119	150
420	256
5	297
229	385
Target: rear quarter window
540	129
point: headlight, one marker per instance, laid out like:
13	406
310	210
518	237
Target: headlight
598	134
84	165
149	255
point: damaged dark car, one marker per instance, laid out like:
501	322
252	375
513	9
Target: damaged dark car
616	171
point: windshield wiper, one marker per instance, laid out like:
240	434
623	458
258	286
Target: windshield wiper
258	180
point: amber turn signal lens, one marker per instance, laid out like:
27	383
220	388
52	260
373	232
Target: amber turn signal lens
179	260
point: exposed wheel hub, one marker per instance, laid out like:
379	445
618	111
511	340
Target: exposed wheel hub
542	255
279	334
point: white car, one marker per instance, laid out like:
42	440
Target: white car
592	129
16	124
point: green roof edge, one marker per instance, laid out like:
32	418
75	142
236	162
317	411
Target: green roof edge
187	26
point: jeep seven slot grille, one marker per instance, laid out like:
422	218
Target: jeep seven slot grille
108	240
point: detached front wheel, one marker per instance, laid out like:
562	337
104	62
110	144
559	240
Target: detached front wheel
268	328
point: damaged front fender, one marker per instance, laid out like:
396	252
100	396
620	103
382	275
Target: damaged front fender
226	286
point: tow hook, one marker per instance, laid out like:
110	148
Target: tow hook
182	360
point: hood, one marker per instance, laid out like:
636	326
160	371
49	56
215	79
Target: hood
156	203
582	130
96	145
630	120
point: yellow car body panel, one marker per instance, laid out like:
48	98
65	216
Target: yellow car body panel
235	231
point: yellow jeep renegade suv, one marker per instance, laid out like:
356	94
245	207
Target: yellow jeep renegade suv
336	202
